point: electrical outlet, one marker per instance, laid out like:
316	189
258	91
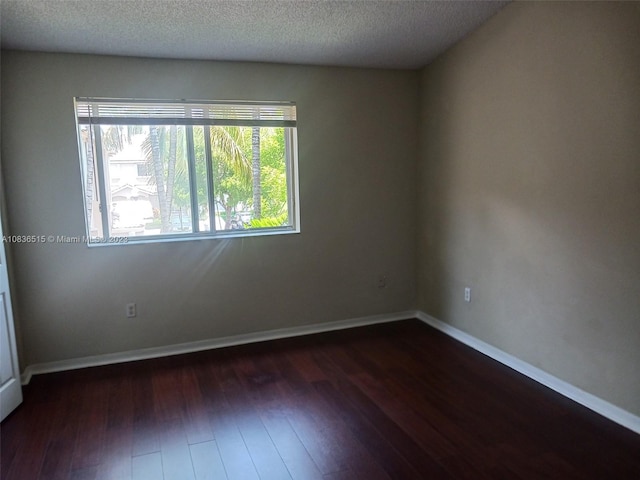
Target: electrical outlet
131	310
467	294
382	281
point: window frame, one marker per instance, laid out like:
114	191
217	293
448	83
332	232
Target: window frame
83	107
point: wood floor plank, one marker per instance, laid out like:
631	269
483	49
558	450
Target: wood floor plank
57	459
261	377
86	473
393	448
431	400
343	475
266	457
293	453
398	400
207	463
361	463
176	456
145	421
426	435
241	395
196	413
116	461
88	449
340	448
368	419
147	467
32	441
303	359
326	441
236	458
167	393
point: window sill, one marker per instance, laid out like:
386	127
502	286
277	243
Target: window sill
120	241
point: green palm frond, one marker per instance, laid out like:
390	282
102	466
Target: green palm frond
227	143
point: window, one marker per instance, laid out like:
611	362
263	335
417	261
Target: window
155	170
143	169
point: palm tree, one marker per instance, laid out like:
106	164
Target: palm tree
226	141
225	145
232	169
153	148
171	168
115	137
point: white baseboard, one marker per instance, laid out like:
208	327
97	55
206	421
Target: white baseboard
602	407
164	351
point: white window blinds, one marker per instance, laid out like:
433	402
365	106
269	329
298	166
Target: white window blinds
100	111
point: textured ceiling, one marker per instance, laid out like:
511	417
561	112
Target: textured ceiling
369	33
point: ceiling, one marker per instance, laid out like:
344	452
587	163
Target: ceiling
360	33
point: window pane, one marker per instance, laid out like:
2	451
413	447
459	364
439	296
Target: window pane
231	167
204	223
90	182
152	204
270	205
250	177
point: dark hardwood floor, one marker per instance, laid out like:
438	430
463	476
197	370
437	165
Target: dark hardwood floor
398	400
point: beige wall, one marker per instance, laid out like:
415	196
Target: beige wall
530	191
357	147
